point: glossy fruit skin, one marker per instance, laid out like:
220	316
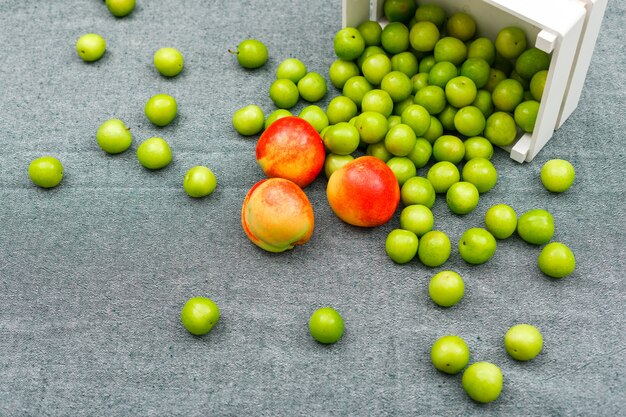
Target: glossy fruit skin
333	162
312	87
417	218
113	136
477	246
199	315
248	120
556	260
434	249
401	245
46	172
326	325
251	53
418	190
531	61
120	8
500	129
291	148
478	147
511	42
523	342
154	153
501	221
161	109
442	175
482	381
450	354
402	168
481	173
90	47
348	43
525	115
278	114
284	93
462	197
276	215
168	61
199	181
364	192
315	116
536	226
446	288
292	69
399	10
557	175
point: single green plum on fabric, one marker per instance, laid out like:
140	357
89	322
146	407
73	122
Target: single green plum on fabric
292	69
199	181
556	260
372	126
312	87
326	325
418	190
113	136
450	354
168	61
478	147
477	246
251	53
501	221
446	288
284	93
249	120
482	381
120	8
199	315
434	248
557	175
448	148
402	167
536	226
442	175
46	172
154	153
91	47
523	342
401	245
161	109
462	197
481	173
417	218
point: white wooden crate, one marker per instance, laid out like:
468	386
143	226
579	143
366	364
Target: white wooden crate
567	29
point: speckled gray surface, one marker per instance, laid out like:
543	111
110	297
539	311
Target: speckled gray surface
93	274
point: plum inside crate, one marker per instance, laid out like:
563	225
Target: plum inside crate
566	29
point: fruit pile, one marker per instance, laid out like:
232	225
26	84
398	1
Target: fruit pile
422	90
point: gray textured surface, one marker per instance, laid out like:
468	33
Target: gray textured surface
93	274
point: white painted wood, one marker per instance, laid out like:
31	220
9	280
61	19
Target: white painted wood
355	12
591	28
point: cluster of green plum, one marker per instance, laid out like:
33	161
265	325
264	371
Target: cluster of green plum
114	137
483	380
416	235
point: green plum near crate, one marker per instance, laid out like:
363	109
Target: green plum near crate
565	29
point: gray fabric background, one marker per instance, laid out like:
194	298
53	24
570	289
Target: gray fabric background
93	274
